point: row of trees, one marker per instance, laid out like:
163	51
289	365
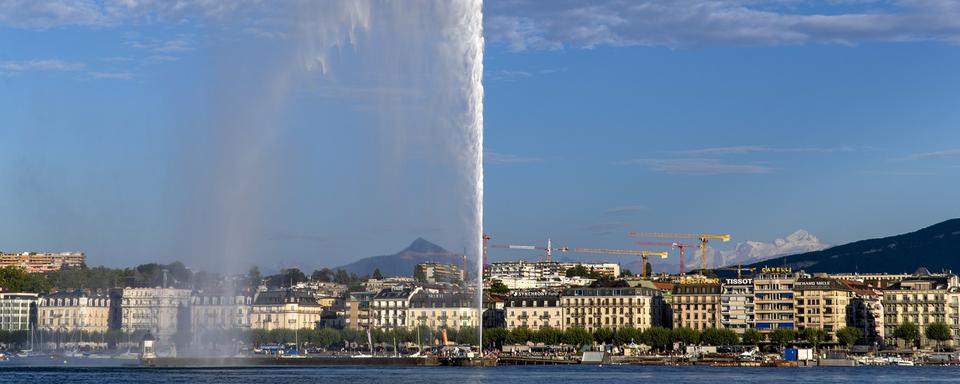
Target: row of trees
910	333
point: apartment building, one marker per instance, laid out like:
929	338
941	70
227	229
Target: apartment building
42	261
822	303
774	299
158	310
388	309
434	273
285	309
78	310
696	305
533	310
357	310
442	310
923	299
219	310
594	308
18	311
736	304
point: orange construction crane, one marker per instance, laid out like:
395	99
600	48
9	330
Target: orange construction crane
680	246
643	255
485	238
549	248
704	239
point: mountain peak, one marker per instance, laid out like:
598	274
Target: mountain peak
421	245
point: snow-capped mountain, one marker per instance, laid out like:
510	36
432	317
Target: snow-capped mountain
750	252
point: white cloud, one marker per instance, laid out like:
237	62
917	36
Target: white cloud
530	24
112	75
39	65
744	149
697	166
944	154
503	158
624	210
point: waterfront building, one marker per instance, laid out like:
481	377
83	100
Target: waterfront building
357	310
377	285
42	261
594	308
389	307
18	311
158	310
442	310
736	304
219	310
696	304
434	273
822	303
866	311
533	310
773	299
923	299
285	309
518	275
78	310
875	280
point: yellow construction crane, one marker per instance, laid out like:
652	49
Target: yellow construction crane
739	270
704	239
643	255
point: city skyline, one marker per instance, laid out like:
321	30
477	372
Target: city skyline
599	120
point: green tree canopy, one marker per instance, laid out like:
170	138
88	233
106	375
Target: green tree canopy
14	279
686	335
498	287
783	336
815	336
938	331
849	335
577	336
907	331
658	337
719	336
751	336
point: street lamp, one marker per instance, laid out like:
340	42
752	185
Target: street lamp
296	333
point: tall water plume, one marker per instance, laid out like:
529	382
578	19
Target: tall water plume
392	87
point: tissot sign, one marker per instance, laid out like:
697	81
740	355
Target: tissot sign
738	281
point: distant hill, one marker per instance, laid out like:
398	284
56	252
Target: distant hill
402	263
936	247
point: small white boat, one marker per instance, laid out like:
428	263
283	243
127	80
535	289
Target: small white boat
905	363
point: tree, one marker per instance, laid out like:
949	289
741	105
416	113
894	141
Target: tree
376	274
577	336
498	287
752	337
14	279
907	331
815	336
495	337
938	331
657	337
627	335
685	335
626	272
849	335
518	336
719	336
603	335
324	275
548	336
783	336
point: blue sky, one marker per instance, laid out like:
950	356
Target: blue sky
753	118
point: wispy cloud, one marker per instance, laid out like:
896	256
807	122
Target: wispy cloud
944	154
503	158
604	228
180	43
509	75
112	75
624	210
745	149
698	166
530	24
899	173
39	65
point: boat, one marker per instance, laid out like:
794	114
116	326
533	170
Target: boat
905	363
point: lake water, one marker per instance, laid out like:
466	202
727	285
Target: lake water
499	375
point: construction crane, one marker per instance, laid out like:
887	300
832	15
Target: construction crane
643	255
485	238
704	239
738	268
549	248
680	246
